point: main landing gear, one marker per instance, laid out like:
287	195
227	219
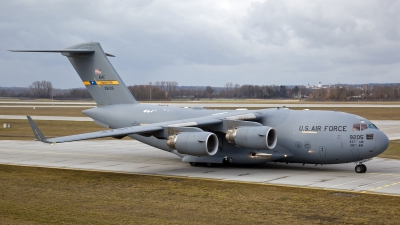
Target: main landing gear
225	161
201	164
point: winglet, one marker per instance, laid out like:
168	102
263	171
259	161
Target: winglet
36	131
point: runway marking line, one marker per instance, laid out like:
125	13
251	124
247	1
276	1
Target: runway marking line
356	181
377	188
209	179
375	183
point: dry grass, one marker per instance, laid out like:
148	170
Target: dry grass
43	111
369	113
393	152
54	196
273	101
20	129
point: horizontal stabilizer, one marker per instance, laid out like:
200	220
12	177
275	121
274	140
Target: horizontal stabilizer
81	51
36	131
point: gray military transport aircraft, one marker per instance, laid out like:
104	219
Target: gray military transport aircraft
205	137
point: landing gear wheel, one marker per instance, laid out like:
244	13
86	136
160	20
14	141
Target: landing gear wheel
365	168
209	164
227	160
360	168
193	164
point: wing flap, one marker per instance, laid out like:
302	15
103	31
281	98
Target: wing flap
106	133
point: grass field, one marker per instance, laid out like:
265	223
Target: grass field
208	100
393	152
54	196
369	113
274	101
20	129
39	111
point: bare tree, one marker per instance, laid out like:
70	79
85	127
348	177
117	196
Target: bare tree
3	93
209	91
163	85
41	89
229	89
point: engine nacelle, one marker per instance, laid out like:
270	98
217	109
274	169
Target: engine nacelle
260	137
194	143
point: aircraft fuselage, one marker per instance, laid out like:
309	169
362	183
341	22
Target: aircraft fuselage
303	136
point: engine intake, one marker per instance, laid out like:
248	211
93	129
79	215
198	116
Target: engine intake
194	143
261	137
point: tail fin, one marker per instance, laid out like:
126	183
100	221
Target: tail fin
96	72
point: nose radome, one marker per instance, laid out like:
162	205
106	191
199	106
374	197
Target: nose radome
382	142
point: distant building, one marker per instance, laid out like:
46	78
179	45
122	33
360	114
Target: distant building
318	86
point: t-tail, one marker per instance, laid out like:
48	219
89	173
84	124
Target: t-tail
97	74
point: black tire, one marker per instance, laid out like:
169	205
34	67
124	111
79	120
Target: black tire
359	169
227	160
209	164
364	167
193	164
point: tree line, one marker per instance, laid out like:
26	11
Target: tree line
167	90
357	93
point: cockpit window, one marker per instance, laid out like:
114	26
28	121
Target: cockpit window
356	127
363	126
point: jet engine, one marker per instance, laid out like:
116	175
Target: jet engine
194	143
260	137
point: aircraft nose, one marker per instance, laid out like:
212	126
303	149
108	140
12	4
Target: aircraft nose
382	142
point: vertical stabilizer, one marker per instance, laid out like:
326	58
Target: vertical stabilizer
96	72
98	75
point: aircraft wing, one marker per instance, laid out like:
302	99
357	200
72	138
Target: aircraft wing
80	51
123	131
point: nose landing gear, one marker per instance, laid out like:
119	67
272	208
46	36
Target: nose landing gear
361	168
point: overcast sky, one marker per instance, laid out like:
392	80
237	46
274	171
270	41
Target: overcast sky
206	42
